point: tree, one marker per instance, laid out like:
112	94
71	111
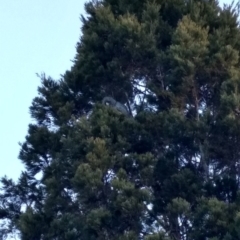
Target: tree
170	172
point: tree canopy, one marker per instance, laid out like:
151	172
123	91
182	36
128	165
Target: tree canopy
171	171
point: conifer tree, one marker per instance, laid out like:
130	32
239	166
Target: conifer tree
171	171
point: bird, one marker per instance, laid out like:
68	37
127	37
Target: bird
109	101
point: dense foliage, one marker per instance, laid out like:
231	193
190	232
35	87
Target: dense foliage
170	172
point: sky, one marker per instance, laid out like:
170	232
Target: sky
36	36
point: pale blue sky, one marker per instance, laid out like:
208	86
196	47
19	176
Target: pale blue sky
36	36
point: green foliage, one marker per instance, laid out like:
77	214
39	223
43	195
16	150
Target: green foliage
170	172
